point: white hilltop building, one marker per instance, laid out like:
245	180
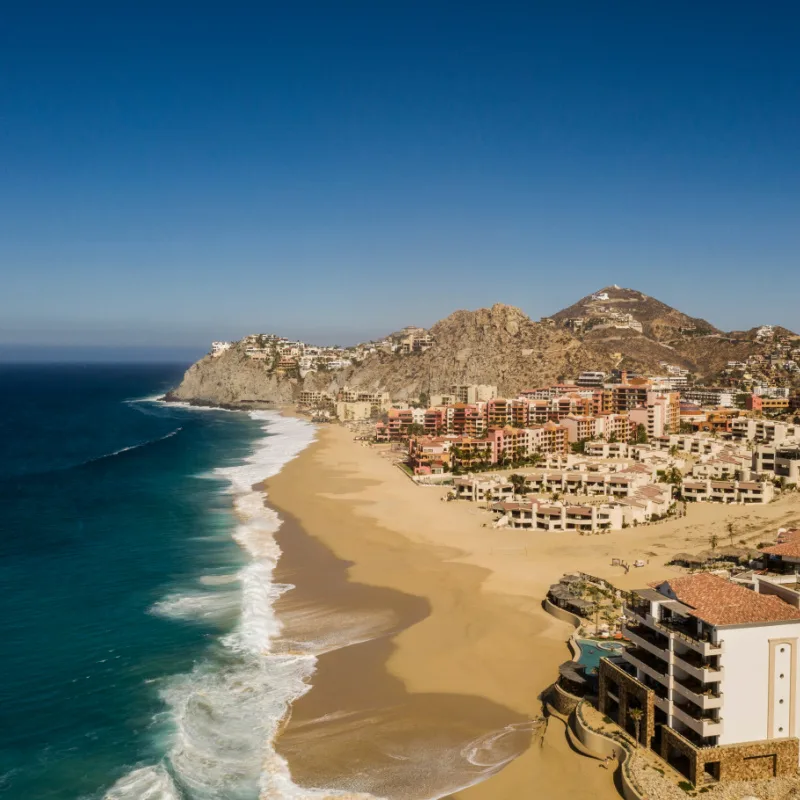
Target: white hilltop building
218	348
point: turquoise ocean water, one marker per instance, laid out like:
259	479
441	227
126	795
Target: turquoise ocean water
136	591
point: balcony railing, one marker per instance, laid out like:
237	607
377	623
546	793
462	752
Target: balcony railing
703	695
697	714
687	632
657	640
703	726
705	672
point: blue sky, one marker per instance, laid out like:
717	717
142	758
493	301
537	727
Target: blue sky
176	172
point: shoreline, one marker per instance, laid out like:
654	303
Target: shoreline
458	680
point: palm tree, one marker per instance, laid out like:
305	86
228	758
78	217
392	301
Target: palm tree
730	530
636	715
713	540
518	482
594	595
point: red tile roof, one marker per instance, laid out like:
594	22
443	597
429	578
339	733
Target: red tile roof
790	548
721	602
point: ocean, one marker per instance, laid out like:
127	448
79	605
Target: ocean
137	591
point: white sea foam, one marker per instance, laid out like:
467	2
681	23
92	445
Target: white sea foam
225	714
215	606
146	783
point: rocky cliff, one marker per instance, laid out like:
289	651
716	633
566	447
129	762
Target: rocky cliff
498	345
233	379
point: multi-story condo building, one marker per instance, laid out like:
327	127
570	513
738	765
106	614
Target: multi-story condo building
542	516
315	399
708	396
782	462
591	379
659	414
625	396
498	412
759	403
435	421
582	428
381	400
763	431
714	670
727	491
474	393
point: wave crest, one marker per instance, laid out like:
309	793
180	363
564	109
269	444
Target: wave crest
223	717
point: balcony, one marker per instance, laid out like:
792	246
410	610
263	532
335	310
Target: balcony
701	671
647	639
663	704
687	633
705	697
650	665
701	723
638	611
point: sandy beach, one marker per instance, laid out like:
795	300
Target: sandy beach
439	697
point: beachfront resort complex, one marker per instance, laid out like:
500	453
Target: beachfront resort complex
690	682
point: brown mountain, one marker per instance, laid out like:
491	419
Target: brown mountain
500	345
611	305
639	332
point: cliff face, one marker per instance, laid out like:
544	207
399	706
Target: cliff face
232	379
499	346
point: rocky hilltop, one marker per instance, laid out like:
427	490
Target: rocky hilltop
501	345
498	345
641	332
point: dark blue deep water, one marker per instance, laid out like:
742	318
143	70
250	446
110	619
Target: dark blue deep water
107	507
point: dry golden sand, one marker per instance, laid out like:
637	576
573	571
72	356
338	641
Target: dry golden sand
463	647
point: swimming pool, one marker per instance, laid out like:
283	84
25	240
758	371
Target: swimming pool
592	651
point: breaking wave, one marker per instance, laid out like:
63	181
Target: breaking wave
223	717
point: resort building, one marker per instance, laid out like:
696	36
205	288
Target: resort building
727	491
716	397
357	411
481	490
591	379
556	516
714	672
722	467
759	403
315	399
380	400
763	431
782	462
474	393
602	449
660	414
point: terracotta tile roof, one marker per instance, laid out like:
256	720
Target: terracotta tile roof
790	548
721	602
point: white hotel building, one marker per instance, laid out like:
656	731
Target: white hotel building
714	669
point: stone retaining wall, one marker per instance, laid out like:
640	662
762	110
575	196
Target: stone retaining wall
747	761
564	702
602	746
561	613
